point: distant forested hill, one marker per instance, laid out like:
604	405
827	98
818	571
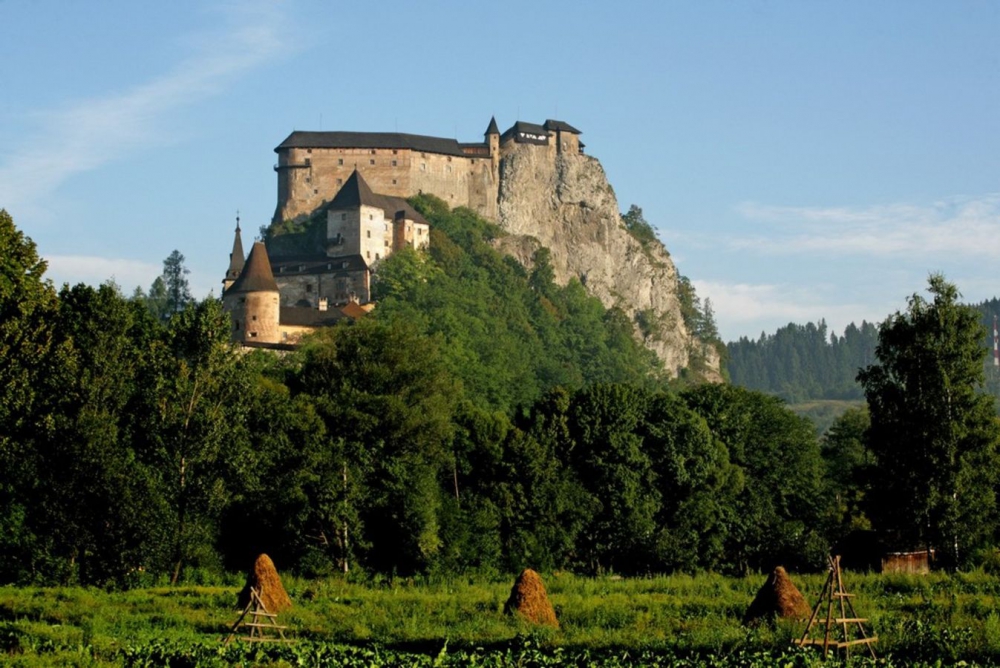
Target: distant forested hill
801	363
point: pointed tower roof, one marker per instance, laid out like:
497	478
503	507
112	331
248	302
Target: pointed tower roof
353	193
492	129
236	259
256	275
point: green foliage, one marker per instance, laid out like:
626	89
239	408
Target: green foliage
933	433
804	362
637	226
30	363
508	336
848	471
780	505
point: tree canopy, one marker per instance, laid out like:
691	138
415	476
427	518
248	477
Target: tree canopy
933	433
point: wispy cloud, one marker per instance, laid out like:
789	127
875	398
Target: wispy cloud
746	307
965	226
95	270
89	133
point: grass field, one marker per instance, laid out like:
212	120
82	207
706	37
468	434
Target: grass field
666	620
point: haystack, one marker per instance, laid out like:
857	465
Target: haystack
528	598
779	597
264	578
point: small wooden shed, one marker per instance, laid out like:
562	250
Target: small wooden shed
916	563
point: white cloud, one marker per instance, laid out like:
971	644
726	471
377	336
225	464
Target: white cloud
742	308
89	133
959	226
96	270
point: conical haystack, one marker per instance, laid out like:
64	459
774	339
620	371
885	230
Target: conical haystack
264	578
528	598
779	597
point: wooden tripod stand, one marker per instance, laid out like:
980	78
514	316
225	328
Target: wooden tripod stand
262	622
847	624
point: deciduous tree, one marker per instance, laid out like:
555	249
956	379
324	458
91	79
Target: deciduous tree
933	433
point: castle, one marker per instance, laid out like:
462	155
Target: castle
274	296
312	166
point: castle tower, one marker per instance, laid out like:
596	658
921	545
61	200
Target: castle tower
236	260
493	140
253	302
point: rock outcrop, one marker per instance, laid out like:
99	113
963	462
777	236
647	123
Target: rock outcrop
564	202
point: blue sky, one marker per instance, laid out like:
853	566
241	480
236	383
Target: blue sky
801	160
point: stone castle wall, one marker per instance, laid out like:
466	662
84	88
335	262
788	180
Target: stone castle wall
310	177
254	316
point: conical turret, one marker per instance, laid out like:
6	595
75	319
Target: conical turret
253	301
492	129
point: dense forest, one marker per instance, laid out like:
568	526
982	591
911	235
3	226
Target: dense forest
481	419
804	362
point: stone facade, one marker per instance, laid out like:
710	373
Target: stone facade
313	166
276	300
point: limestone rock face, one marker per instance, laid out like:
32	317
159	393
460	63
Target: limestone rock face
565	203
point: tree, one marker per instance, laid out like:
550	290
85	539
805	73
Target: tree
30	361
933	433
176	283
637	226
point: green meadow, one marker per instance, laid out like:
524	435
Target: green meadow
671	620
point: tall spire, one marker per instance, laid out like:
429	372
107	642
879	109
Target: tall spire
236	260
492	129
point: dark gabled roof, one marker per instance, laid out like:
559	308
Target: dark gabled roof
422	143
307	316
492	129
318	264
560	125
520	127
256	275
353	193
236	260
356	192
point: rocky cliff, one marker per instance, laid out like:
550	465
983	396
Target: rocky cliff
565	203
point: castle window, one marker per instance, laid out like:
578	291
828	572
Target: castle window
253	317
394	182
308	161
343	216
243	300
253	335
369	234
423	166
449	158
309	179
368	254
376	256
309	288
315	191
394	151
343	265
236	325
387	242
393	163
373	151
449	169
372	161
340	182
340	161
371	217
